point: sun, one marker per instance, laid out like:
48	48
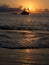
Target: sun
28	6
28	9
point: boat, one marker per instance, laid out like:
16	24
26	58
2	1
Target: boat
25	13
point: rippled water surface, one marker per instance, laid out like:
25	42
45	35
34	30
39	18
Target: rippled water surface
24	57
24	40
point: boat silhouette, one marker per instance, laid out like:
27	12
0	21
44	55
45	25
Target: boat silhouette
25	12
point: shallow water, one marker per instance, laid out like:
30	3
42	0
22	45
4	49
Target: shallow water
24	57
24	40
15	40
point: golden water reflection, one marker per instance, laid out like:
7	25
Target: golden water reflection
27	50
28	39
24	56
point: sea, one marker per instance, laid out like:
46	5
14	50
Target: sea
24	39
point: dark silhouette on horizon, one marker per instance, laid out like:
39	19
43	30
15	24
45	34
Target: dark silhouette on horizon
24	12
6	8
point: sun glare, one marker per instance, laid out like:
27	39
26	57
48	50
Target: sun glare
28	6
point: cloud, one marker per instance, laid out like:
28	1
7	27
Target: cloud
7	8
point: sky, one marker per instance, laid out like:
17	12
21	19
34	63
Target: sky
33	4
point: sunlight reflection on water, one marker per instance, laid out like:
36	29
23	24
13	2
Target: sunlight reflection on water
38	36
24	56
17	38
20	38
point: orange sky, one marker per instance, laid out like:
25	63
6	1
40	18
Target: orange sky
32	4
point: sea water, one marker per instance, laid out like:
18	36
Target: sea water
24	39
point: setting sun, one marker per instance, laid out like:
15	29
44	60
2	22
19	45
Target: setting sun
28	5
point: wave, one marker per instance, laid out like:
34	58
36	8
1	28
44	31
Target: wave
34	27
7	40
27	47
42	43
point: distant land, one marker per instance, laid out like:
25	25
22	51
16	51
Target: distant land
8	9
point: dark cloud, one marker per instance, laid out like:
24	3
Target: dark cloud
6	8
